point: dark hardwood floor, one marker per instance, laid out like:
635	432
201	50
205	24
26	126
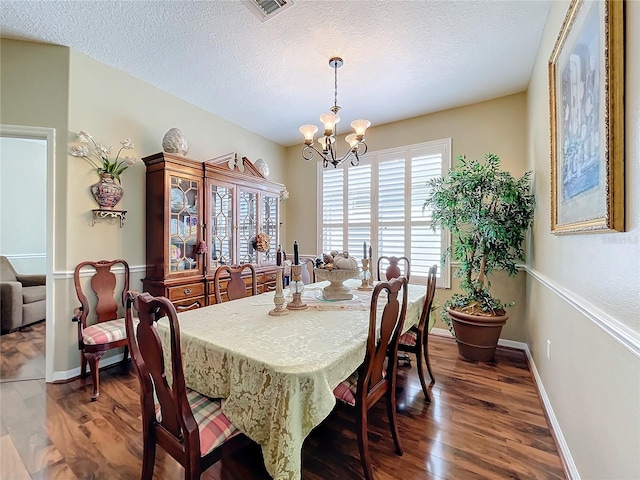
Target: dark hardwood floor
485	422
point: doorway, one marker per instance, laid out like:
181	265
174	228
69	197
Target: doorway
44	138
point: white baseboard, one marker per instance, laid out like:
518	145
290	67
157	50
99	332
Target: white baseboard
61	376
440	332
561	443
569	464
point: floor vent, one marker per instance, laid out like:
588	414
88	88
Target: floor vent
266	9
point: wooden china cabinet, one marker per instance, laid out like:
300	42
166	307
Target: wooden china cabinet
204	214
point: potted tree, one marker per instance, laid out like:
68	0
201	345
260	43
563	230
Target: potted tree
488	212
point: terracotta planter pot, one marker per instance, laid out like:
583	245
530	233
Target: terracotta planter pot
477	336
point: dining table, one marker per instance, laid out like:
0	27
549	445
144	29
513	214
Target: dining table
275	375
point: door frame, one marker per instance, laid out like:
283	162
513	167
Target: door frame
48	135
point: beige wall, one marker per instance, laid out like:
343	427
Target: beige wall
32	98
496	126
584	290
79	93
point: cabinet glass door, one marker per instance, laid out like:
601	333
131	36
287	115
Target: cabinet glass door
247	227
183	225
269	222
221	226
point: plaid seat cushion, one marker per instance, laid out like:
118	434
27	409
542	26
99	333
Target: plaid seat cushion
214	426
410	338
346	390
104	332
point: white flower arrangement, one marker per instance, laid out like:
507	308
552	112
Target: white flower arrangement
105	165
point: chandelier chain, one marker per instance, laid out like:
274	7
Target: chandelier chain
335	87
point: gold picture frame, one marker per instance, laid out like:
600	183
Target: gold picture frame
586	86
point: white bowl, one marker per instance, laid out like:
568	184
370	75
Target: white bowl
336	290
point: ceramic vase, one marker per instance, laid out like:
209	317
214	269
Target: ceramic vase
175	142
107	192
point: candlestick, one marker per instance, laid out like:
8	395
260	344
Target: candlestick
278	298
371	263
297	287
296	257
279	256
364	250
365	276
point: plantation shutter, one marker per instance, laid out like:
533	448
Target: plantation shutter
392	184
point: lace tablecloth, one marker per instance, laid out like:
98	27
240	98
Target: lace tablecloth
277	374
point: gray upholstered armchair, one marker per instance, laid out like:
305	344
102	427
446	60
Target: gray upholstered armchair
22	297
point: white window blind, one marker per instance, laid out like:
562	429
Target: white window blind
380	202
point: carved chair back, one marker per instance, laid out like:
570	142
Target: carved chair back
236	286
391	268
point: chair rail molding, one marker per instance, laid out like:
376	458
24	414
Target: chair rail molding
623	334
62	274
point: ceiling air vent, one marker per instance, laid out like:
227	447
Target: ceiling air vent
266	9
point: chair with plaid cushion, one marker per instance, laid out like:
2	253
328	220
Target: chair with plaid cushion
190	427
376	377
108	331
416	340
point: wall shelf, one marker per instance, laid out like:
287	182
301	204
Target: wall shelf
99	214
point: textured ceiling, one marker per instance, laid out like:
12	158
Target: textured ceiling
401	58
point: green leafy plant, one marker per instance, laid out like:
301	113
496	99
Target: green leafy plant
488	212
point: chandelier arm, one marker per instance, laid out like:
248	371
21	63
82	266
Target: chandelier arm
344	158
355	161
309	151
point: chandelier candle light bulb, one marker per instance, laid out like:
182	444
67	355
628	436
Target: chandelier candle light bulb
329	120
308	131
352	140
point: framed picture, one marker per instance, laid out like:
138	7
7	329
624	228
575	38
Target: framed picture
586	85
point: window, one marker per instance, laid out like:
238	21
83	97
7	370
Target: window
380	202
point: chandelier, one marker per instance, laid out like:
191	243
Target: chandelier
357	145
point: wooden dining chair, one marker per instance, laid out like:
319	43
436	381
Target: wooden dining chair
416	340
376	377
392	269
190	427
308	275
235	286
108	331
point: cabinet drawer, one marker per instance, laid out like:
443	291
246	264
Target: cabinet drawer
189	304
269	282
186	291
